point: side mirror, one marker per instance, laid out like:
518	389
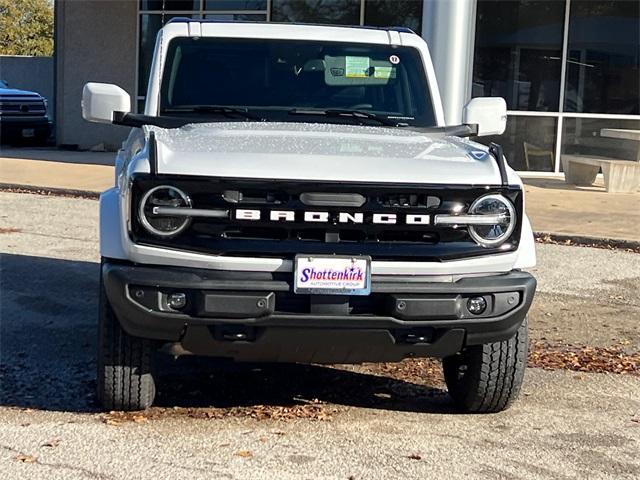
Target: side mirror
101	100
488	113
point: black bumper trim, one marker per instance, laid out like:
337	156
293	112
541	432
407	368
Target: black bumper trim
172	326
326	346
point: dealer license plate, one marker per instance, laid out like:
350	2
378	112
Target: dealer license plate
332	275
28	133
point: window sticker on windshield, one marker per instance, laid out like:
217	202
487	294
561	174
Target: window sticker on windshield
384	72
357	67
394	59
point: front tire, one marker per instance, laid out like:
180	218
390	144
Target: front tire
487	378
125	364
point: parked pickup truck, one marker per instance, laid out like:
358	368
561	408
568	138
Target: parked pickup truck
292	194
23	116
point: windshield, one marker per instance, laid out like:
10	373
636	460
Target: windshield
282	80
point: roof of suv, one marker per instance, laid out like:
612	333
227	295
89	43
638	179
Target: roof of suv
367	27
187	27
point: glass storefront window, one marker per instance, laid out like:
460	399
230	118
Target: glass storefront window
230	5
529	142
195	5
242	17
583	136
170	5
603	58
394	13
520	47
339	12
518	53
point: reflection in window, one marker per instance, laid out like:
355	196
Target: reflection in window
340	12
518	53
240	17
528	143
230	5
173	5
582	136
272	77
394	13
603	73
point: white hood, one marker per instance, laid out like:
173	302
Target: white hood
322	152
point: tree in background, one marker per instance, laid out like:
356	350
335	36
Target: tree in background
26	27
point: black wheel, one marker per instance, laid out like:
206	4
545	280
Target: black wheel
125	364
487	378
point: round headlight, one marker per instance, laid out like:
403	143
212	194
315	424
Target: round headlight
155	211
493	234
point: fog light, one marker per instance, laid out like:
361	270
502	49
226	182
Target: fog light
476	305
176	300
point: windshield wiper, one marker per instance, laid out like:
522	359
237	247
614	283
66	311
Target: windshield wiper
338	112
215	109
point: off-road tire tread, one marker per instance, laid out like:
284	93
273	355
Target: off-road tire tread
494	373
125	364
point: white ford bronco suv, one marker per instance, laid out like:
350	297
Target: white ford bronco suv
292	194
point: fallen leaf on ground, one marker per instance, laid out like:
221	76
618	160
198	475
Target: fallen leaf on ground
52	443
420	371
415	456
584	359
112	422
244	454
26	458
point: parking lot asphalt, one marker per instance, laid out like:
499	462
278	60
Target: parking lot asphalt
566	424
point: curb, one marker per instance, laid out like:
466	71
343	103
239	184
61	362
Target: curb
60	192
587	241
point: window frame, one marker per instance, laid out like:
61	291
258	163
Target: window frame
561	114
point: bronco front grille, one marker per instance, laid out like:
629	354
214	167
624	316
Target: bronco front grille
264	237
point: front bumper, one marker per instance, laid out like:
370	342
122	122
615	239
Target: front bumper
254	316
13	126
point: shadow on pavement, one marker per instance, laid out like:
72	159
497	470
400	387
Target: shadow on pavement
212	384
47	332
48	318
555	183
51	153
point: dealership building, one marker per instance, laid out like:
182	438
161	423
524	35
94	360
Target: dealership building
567	68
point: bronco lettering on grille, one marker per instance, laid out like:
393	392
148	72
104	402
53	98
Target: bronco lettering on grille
335	217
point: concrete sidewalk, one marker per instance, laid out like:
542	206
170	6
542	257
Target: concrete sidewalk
558	208
553	206
55	175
